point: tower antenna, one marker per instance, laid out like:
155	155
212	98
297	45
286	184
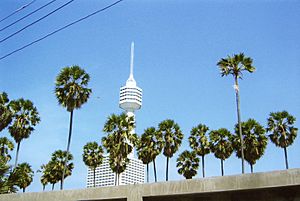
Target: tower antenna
131	60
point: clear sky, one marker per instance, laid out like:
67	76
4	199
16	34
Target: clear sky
177	46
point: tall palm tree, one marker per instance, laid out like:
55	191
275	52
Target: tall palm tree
283	132
5	146
71	92
5	112
92	156
149	147
25	117
172	137
119	141
255	141
199	142
25	175
221	144
235	66
188	163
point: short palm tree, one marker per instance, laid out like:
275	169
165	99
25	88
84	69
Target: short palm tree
25	175
172	137
149	147
25	117
8	179
199	142
255	141
50	174
235	66
57	164
5	112
188	163
5	146
282	131
221	145
119	141
71	92
92	156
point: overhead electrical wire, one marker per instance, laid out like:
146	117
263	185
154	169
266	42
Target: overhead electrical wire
60	29
27	15
18	10
11	35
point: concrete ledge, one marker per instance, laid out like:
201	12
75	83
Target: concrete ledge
213	188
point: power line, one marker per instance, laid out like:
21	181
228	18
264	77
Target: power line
11	35
27	15
60	29
18	10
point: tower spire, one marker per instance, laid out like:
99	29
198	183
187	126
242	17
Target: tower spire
131	60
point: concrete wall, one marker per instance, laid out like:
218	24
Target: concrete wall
270	186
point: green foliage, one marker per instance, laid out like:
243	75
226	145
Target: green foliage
119	141
8	180
25	117
235	65
5	146
71	87
52	171
150	145
92	155
5	112
254	138
199	142
187	164
283	132
23	175
221	143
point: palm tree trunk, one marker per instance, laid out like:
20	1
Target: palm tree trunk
237	95
23	190
94	177
203	173
167	169
154	170
222	168
68	148
53	187
116	178
44	186
17	154
147	172
251	167
286	158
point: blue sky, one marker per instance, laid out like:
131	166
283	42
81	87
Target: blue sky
177	46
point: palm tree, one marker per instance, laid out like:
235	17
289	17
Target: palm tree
199	142
71	92
25	175
188	164
92	156
172	137
255	141
8	179
235	66
59	166
221	144
283	133
5	112
25	117
119	141
149	147
5	146
50	174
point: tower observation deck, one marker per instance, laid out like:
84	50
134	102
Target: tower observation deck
131	94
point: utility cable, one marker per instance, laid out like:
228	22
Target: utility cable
27	15
60	29
18	10
11	35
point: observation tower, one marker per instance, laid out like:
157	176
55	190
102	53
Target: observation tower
131	94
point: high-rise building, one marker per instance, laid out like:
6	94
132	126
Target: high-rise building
130	101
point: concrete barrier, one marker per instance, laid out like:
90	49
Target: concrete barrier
270	186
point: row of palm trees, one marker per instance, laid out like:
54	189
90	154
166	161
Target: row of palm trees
71	90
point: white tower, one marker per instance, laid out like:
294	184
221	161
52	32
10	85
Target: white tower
131	94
